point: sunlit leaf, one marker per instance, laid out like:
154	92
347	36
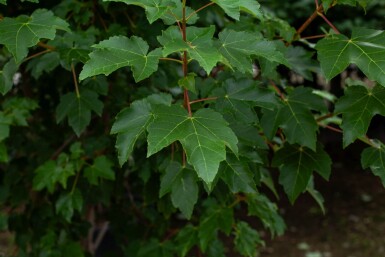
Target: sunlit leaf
117	52
365	48
204	137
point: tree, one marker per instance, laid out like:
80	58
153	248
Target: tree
194	95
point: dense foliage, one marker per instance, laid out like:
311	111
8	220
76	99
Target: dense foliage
160	124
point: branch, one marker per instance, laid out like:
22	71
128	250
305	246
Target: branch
198	10
204	99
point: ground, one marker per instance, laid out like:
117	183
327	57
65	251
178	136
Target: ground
354	223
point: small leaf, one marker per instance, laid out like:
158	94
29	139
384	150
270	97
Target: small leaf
260	206
315	194
247	240
238	47
358	106
78	109
101	168
204	137
186	238
296	164
50	173
188	82
6	76
68	203
234	7
366	49
117	52
18	34
155	9
215	218
373	158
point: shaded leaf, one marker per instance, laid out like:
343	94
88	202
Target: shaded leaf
18	34
6	76
374	158
247	240
365	48
68	203
260	206
51	172
215	218
238	47
358	106
296	165
186	238
204	137
117	52
78	109
101	168
294	116
237	175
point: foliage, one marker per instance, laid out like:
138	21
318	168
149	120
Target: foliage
197	98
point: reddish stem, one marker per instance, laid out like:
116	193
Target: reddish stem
314	37
199	9
276	88
329	23
203	99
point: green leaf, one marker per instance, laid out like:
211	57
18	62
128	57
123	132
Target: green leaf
51	172
366	49
358	106
328	3
3	153
155	9
46	63
296	164
301	61
182	183
68	203
247	90
78	109
238	47
315	194
247	240
6	76
132	122
204	137
188	82
260	206
186	238
175	15
295	117
184	192
199	45
215	218
101	168
216	249
234	7
237	175
374	158
117	52
18	34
